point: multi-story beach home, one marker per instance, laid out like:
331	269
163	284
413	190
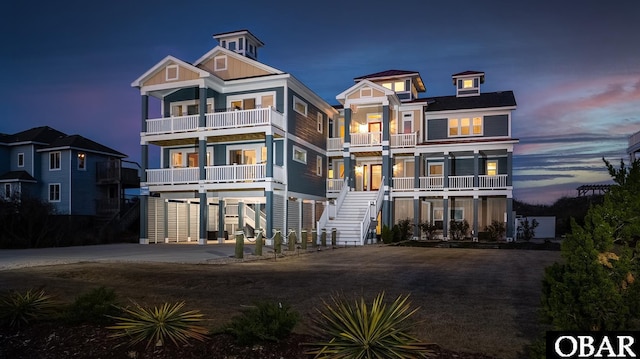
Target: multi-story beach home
430	160
243	145
77	176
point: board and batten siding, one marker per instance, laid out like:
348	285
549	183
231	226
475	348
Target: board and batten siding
160	77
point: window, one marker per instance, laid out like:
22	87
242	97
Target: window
320	122
457	214
407	122
54	192
465	126
20	159
366	92
7	190
318	165
436	169
438	214
299	106
176	159
492	168
299	155
232	45
220	63
82	161
54	161
467	84
240	43
397	86
171	72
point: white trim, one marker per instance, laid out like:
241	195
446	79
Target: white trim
157	67
215	63
297	100
49	192
320	122
59	161
319	165
302	152
167	72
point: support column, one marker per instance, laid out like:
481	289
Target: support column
240	217
475	218
256	209
204	217
270	161
416	216
144	152
221	211
445	170
202	192
165	208
416	200
510	223
387	169
445	218
476	169
509	168
268	210
348	166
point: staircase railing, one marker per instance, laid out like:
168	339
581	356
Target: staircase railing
366	221
250	217
322	222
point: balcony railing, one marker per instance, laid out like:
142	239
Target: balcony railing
432	183
335	185
214	121
634	139
499	181
214	174
335	144
404	140
373	139
461	182
366	139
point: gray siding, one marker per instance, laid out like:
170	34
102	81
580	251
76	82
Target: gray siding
84	189
461	167
437	129
502	165
303	177
4	156
497	125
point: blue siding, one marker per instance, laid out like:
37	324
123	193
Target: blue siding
302	177
60	176
502	165
461	167
84	188
437	129
4	159
497	125
28	158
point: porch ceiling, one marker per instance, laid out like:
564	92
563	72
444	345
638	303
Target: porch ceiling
213	139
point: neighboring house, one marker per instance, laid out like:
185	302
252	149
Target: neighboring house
260	149
634	146
77	176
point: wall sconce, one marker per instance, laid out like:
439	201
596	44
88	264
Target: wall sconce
363	128
359	169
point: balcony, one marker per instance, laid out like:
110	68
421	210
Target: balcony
634	145
335	185
373	139
214	174
267	116
436	183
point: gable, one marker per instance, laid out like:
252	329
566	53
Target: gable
230	67
365	92
171	71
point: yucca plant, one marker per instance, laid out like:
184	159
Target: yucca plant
356	331
18	309
159	324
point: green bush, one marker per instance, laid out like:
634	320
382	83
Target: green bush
159	324
94	306
458	229
18	309
429	229
359	331
267	321
387	234
403	230
496	230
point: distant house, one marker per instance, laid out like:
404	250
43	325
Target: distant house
244	145
634	146
76	175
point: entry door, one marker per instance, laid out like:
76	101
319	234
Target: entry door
376	177
375	132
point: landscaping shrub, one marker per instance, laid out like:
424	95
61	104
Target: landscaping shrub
386	234
403	230
527	229
17	309
94	306
267	321
496	230
359	331
159	324
429	229
458	229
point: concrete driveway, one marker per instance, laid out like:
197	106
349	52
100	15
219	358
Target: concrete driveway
191	253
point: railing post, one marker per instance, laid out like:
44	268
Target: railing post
334	237
314	238
291	240
323	237
277	242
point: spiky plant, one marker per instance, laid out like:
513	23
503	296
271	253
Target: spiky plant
357	331
159	324
18	309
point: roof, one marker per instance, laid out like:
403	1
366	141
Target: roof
19	176
238	32
484	100
43	134
395	73
467	73
83	143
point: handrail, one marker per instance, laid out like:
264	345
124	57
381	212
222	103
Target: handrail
322	222
366	221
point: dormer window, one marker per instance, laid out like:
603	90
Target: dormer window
397	86
468	83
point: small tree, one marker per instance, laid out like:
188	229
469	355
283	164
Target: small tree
402	230
458	229
527	229
496	230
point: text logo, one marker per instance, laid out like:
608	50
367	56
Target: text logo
593	345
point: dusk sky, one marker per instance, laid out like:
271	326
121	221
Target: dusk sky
574	65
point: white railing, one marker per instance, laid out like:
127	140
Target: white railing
431	182
403	183
250	218
173	175
366	139
335	185
404	140
335	143
278	173
461	182
235	173
218	120
172	124
322	222
634	139
245	118
499	181
366	221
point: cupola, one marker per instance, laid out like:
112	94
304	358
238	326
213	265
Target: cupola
242	42
467	83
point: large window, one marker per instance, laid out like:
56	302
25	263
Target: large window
320	122
407	122
54	192
466	126
20	159
54	161
397	86
319	165
435	169
492	168
299	155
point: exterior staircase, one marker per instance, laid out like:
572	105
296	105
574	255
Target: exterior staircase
348	218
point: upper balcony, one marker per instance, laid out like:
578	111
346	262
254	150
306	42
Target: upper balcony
267	116
435	183
214	175
370	139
